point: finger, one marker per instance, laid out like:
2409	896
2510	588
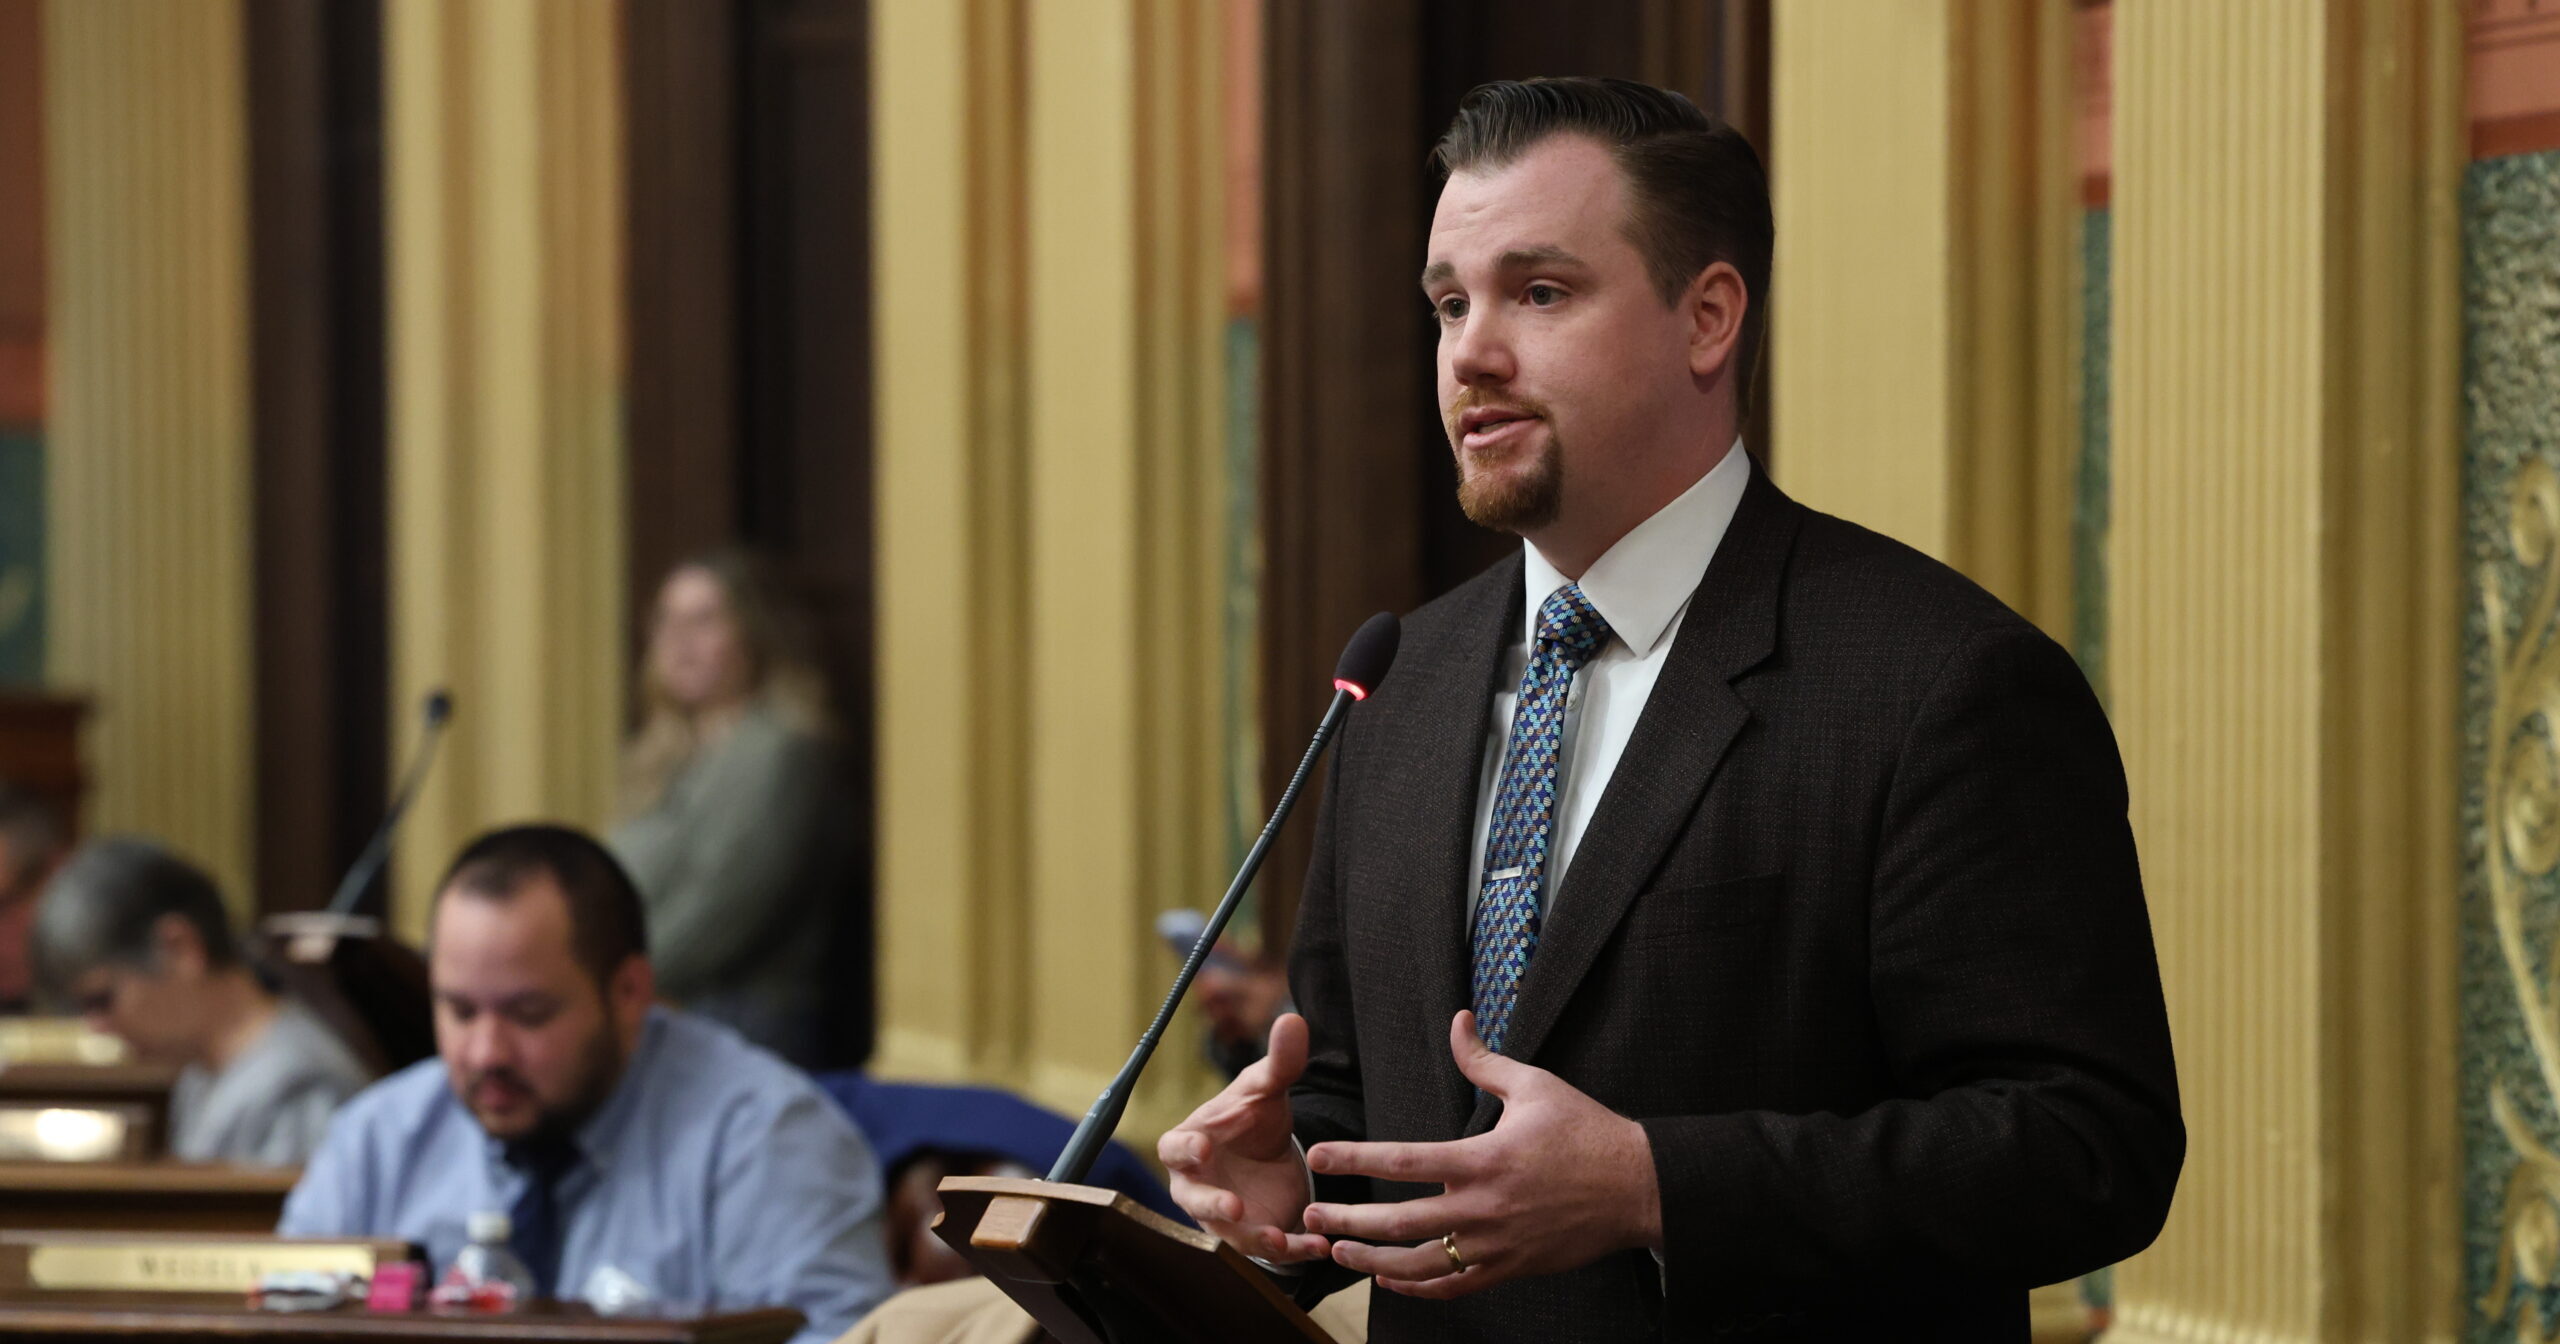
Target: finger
1209	1205
1427	1261
1420	1163
1447	1286
1281	1246
1236	1112
1182	1149
1499	1075
1295	1246
1286	1057
1410	1220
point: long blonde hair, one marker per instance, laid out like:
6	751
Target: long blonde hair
782	676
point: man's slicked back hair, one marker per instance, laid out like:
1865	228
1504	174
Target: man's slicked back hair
606	926
1697	193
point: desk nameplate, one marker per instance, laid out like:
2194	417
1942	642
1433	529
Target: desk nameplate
182	1267
38	1265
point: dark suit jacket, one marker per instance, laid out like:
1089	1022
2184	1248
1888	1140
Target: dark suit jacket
1857	933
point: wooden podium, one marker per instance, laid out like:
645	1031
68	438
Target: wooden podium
1093	1267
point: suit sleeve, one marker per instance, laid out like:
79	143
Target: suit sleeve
2035	1133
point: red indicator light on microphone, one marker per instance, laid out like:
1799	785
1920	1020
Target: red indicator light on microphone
1358	691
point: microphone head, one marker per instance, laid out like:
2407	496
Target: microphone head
1367	657
439	706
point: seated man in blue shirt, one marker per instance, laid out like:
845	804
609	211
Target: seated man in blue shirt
637	1150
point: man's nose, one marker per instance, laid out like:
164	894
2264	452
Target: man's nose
1480	349
487	1044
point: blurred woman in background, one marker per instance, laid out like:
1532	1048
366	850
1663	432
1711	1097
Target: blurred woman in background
732	808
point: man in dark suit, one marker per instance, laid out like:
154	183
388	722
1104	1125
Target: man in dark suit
1723	921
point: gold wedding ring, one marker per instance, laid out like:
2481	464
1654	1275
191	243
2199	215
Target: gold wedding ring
1457	1262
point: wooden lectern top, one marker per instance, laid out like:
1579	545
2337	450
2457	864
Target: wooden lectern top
1095	1267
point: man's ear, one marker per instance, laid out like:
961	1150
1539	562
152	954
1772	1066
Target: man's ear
177	949
1717	303
633	988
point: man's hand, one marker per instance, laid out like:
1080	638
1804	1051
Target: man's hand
1560	1181
1233	1164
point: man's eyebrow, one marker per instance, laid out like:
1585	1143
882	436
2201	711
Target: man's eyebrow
523	998
1545	254
1517	259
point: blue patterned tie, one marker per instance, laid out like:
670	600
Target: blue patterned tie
1570	633
535	1231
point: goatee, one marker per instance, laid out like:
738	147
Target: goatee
1518	501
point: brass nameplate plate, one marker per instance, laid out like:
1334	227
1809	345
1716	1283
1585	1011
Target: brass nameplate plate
182	1267
57	1040
66	1133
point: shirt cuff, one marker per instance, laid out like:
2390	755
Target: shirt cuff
1293	1267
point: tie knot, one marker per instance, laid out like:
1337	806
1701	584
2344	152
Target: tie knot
1571	626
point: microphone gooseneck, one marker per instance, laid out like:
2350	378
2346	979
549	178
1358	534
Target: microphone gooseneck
437	710
1363	665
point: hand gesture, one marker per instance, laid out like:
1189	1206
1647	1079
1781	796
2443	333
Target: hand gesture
1234	1165
1560	1181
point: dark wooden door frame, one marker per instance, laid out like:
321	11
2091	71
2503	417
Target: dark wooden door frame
317	397
750	338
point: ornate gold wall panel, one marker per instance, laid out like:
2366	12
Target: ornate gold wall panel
1052	501
2282	609
1923	316
148	495
505	218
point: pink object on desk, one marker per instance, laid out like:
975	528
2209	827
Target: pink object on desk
396	1286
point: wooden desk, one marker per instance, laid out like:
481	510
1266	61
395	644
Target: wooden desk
151	1324
143	1196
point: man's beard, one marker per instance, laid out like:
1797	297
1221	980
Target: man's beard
1519	500
600	1069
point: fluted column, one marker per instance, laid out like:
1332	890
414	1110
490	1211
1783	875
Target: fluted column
1128	516
2282	608
147	498
505	280
954	560
1924	307
1053	513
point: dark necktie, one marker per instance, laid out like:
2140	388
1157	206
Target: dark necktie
545	1161
1570	633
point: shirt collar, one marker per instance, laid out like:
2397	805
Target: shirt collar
1640	584
602	1131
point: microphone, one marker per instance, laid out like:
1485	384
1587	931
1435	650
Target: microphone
1363	665
368	865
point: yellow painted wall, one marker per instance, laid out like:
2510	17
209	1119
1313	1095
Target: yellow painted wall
147	496
1051	486
1923	316
505	366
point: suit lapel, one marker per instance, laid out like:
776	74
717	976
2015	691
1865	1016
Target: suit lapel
1439	743
1688	723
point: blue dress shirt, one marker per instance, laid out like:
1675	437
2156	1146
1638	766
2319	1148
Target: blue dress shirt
716	1177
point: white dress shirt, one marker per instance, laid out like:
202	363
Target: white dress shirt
1641	587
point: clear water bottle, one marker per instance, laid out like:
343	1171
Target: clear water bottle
487	1276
